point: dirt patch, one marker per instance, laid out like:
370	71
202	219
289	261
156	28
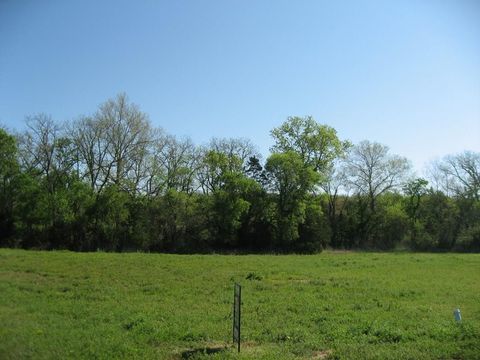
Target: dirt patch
321	354
187	354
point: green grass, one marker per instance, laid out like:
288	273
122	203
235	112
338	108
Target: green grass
333	305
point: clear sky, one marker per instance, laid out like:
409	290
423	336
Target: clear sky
403	73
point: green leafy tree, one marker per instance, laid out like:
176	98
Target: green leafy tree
317	145
81	201
235	149
438	216
392	222
414	190
229	207
177	222
315	231
291	182
256	171
223	181
9	171
111	217
214	169
31	211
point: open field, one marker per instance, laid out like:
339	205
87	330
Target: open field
333	305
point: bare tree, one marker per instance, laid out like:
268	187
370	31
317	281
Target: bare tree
458	174
334	187
173	164
211	167
89	138
372	171
37	144
113	145
234	149
46	152
128	133
436	178
45	149
221	156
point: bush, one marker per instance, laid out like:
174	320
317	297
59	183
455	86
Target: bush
392	229
469	239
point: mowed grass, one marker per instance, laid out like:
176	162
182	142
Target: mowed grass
333	305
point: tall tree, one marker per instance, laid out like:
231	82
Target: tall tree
128	134
38	145
9	170
336	194
291	181
48	156
226	190
372	171
89	136
460	174
415	190
175	162
235	149
213	168
317	145
256	171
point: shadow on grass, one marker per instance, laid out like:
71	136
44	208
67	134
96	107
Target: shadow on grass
187	354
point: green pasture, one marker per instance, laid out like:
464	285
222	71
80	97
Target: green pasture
335	305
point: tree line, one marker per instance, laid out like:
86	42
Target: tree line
111	181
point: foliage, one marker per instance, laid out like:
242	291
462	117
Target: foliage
9	170
111	181
317	145
393	226
291	180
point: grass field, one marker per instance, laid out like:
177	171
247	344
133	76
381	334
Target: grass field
329	306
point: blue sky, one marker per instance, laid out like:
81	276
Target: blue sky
403	73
